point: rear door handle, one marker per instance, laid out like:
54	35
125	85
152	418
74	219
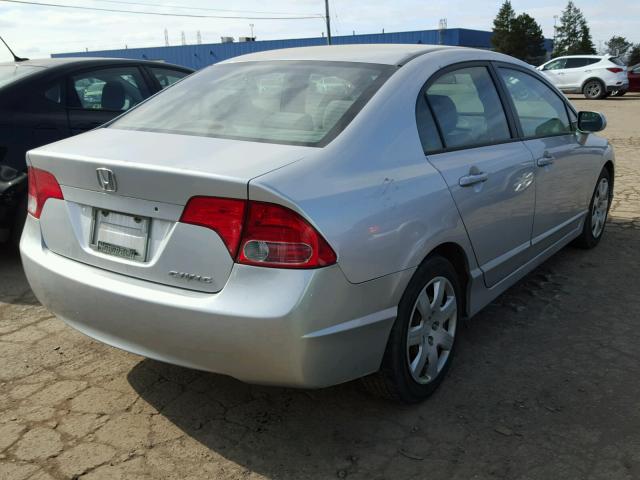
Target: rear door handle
473	179
545	160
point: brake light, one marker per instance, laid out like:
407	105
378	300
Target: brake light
275	236
615	69
42	186
223	215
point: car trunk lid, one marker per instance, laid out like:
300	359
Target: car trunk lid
124	194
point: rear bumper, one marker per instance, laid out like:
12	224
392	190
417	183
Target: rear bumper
302	328
619	85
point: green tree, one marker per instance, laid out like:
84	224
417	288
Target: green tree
527	39
634	55
618	46
573	36
502	26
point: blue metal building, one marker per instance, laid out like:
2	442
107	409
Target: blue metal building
200	56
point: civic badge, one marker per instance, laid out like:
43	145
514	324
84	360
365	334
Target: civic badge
106	180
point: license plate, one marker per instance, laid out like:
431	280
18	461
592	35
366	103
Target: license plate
120	235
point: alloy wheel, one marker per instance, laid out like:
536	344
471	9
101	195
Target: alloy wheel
431	331
593	89
600	208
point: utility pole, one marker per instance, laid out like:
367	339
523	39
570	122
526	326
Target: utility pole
328	19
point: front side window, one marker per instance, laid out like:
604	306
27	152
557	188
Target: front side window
113	89
302	103
541	111
166	76
556	64
467	108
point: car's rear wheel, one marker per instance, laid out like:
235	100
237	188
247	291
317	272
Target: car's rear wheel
594	90
422	340
596	219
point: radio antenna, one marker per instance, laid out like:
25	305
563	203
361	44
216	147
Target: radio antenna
15	57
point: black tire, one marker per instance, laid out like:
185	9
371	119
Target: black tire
18	222
588	238
395	379
594	90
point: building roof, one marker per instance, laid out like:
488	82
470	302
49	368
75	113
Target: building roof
391	54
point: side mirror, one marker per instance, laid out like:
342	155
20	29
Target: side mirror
590	122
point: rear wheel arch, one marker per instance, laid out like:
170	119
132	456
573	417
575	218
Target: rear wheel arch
591	79
456	255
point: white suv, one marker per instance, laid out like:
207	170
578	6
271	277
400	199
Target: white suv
594	76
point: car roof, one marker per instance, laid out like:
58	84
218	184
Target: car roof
383	53
63	62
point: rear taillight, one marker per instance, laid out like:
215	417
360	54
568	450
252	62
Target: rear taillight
275	236
42	186
260	233
615	69
223	215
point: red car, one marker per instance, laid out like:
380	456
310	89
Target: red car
634	78
633	73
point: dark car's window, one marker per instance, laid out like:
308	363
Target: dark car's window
167	76
541	111
113	89
467	108
556	64
304	103
10	73
53	92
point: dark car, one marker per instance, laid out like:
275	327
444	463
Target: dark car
42	101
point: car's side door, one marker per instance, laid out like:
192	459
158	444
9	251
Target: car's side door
489	172
563	166
98	95
573	72
555	71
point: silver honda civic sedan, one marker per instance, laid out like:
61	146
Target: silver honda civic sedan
309	216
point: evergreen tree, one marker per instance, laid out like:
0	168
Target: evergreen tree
634	55
618	46
586	46
502	26
527	39
573	36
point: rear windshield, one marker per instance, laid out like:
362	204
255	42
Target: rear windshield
617	61
10	73
299	103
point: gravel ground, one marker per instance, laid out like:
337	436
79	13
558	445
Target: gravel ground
544	386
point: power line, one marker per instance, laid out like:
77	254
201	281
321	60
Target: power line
161	14
121	2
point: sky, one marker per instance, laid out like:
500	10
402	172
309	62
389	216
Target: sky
37	31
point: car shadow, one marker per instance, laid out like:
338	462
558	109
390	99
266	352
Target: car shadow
525	375
15	288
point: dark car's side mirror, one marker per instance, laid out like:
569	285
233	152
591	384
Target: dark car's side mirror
590	122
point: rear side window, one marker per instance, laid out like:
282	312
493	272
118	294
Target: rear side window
542	113
467	108
576	62
166	76
113	89
617	61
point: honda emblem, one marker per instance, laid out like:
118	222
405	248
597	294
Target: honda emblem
106	180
